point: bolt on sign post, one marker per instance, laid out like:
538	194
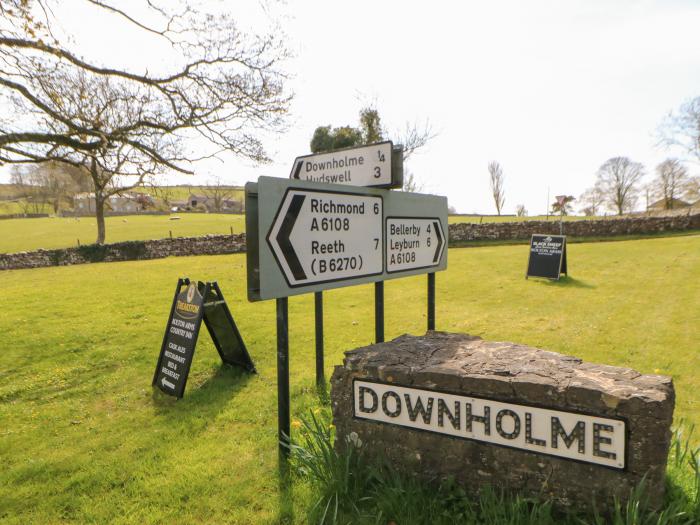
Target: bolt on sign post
547	256
193	303
307	237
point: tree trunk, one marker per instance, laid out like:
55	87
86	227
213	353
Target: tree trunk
99	203
100	216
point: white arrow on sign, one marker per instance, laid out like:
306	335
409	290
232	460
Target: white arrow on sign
320	236
413	242
167	383
363	166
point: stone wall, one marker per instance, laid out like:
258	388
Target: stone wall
459	235
527	455
24	216
126	251
465	232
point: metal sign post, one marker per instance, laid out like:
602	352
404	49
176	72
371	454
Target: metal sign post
283	425
307	237
318	311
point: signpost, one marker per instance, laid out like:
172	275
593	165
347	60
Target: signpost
377	165
307	237
191	305
547	256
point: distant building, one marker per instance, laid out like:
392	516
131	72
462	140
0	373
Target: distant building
660	205
127	202
209	203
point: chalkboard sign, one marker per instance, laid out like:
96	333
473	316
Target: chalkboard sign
192	304
547	256
223	330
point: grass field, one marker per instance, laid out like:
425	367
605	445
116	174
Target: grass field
85	439
53	232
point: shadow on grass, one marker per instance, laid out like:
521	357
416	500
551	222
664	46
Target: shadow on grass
568	282
205	399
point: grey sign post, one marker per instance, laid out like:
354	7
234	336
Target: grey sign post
306	237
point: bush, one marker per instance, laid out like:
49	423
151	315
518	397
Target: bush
350	489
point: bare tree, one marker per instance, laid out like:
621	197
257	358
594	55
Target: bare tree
496	179
411	183
670	182
680	130
218	193
592	201
31	193
413	137
162	192
520	210
618	180
224	89
692	190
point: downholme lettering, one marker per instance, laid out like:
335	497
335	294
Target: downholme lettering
573	436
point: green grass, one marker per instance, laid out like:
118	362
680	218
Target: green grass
53	232
181	193
13	207
84	439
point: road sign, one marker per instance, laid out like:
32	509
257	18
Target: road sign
547	256
376	165
413	243
319	237
307	236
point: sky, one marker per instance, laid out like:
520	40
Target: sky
549	89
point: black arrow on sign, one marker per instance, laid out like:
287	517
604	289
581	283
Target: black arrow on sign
283	237
436	226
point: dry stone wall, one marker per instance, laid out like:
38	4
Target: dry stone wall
126	251
506	415
465	232
459	235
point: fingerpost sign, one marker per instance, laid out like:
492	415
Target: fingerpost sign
308	237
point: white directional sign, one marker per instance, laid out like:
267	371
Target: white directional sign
305	237
371	165
326	236
413	242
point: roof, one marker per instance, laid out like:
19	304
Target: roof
661	203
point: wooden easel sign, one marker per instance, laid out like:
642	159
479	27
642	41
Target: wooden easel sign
547	256
194	302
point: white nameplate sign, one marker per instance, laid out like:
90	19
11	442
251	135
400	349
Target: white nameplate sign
568	435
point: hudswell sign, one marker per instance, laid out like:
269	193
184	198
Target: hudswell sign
507	416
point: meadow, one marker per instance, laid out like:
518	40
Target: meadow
84	438
55	232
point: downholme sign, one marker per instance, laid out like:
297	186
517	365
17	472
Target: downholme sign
507	416
569	435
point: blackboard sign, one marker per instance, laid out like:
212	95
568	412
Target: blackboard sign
547	256
192	304
223	330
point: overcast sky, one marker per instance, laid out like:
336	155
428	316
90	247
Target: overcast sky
550	89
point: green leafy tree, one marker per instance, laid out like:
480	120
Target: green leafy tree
371	125
370	131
